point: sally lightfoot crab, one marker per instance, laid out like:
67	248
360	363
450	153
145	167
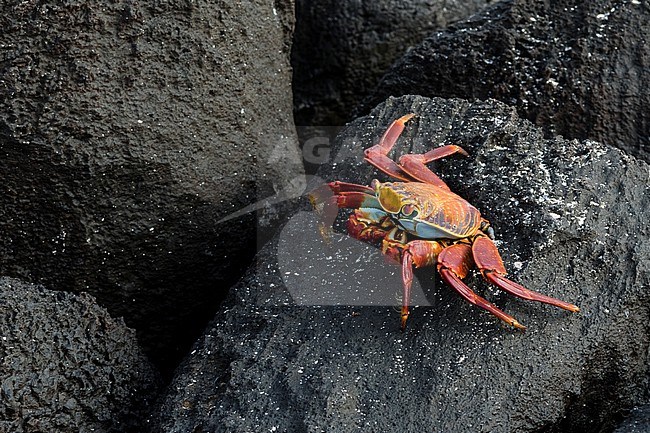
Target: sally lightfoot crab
420	222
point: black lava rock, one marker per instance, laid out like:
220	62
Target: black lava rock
579	69
637	422
342	48
67	366
572	221
127	131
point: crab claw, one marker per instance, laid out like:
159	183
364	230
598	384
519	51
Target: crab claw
326	200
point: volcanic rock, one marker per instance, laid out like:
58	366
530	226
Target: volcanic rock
128	130
578	69
342	48
67	366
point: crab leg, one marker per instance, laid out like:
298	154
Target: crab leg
407	279
344	195
377	155
338	187
453	264
416	253
323	193
356	200
488	260
414	164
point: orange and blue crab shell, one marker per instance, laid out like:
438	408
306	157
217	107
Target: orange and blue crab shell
427	211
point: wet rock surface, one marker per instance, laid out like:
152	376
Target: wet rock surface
67	366
342	48
127	131
574	68
571	221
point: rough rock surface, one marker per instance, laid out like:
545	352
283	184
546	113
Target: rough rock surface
67	366
578	69
571	219
127	130
637	422
342	48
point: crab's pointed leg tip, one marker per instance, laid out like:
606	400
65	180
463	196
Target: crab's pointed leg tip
406	118
403	322
518	325
325	233
574	308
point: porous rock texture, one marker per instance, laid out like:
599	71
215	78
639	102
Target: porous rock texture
127	131
66	366
578	69
637	422
342	48
571	221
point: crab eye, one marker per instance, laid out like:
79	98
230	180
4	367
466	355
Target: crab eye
409	210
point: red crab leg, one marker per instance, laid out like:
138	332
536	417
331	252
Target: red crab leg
453	264
414	164
356	200
407	280
377	155
488	260
323	193
416	253
345	195
338	187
